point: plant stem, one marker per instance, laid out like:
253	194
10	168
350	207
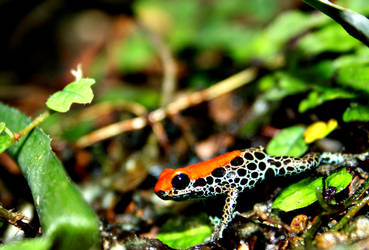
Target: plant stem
351	213
8	132
31	126
323	203
308	236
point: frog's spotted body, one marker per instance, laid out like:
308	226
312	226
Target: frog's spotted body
235	172
240	169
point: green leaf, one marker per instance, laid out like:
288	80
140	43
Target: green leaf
65	217
326	39
356	112
304	192
354	76
352	70
78	91
187	238
339	180
283	28
298	195
282	84
360	57
316	98
354	23
289	141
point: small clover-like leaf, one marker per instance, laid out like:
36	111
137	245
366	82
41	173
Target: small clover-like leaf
304	192
289	141
79	91
319	130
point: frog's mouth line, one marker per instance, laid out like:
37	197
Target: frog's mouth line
180	195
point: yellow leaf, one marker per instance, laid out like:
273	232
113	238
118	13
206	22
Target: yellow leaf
319	130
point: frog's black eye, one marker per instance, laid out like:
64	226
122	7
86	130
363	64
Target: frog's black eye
180	181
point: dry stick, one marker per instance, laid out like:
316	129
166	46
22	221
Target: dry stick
16	220
242	78
169	84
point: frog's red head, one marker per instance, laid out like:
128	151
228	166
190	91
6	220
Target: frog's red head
194	181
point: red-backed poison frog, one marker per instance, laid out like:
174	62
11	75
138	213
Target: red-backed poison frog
235	172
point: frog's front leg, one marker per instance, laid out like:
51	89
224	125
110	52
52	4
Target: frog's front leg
228	213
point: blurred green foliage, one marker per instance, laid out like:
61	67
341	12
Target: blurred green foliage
290	141
247	30
147	97
133	53
183	232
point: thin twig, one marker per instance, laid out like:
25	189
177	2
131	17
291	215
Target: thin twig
242	78
169	84
16	219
